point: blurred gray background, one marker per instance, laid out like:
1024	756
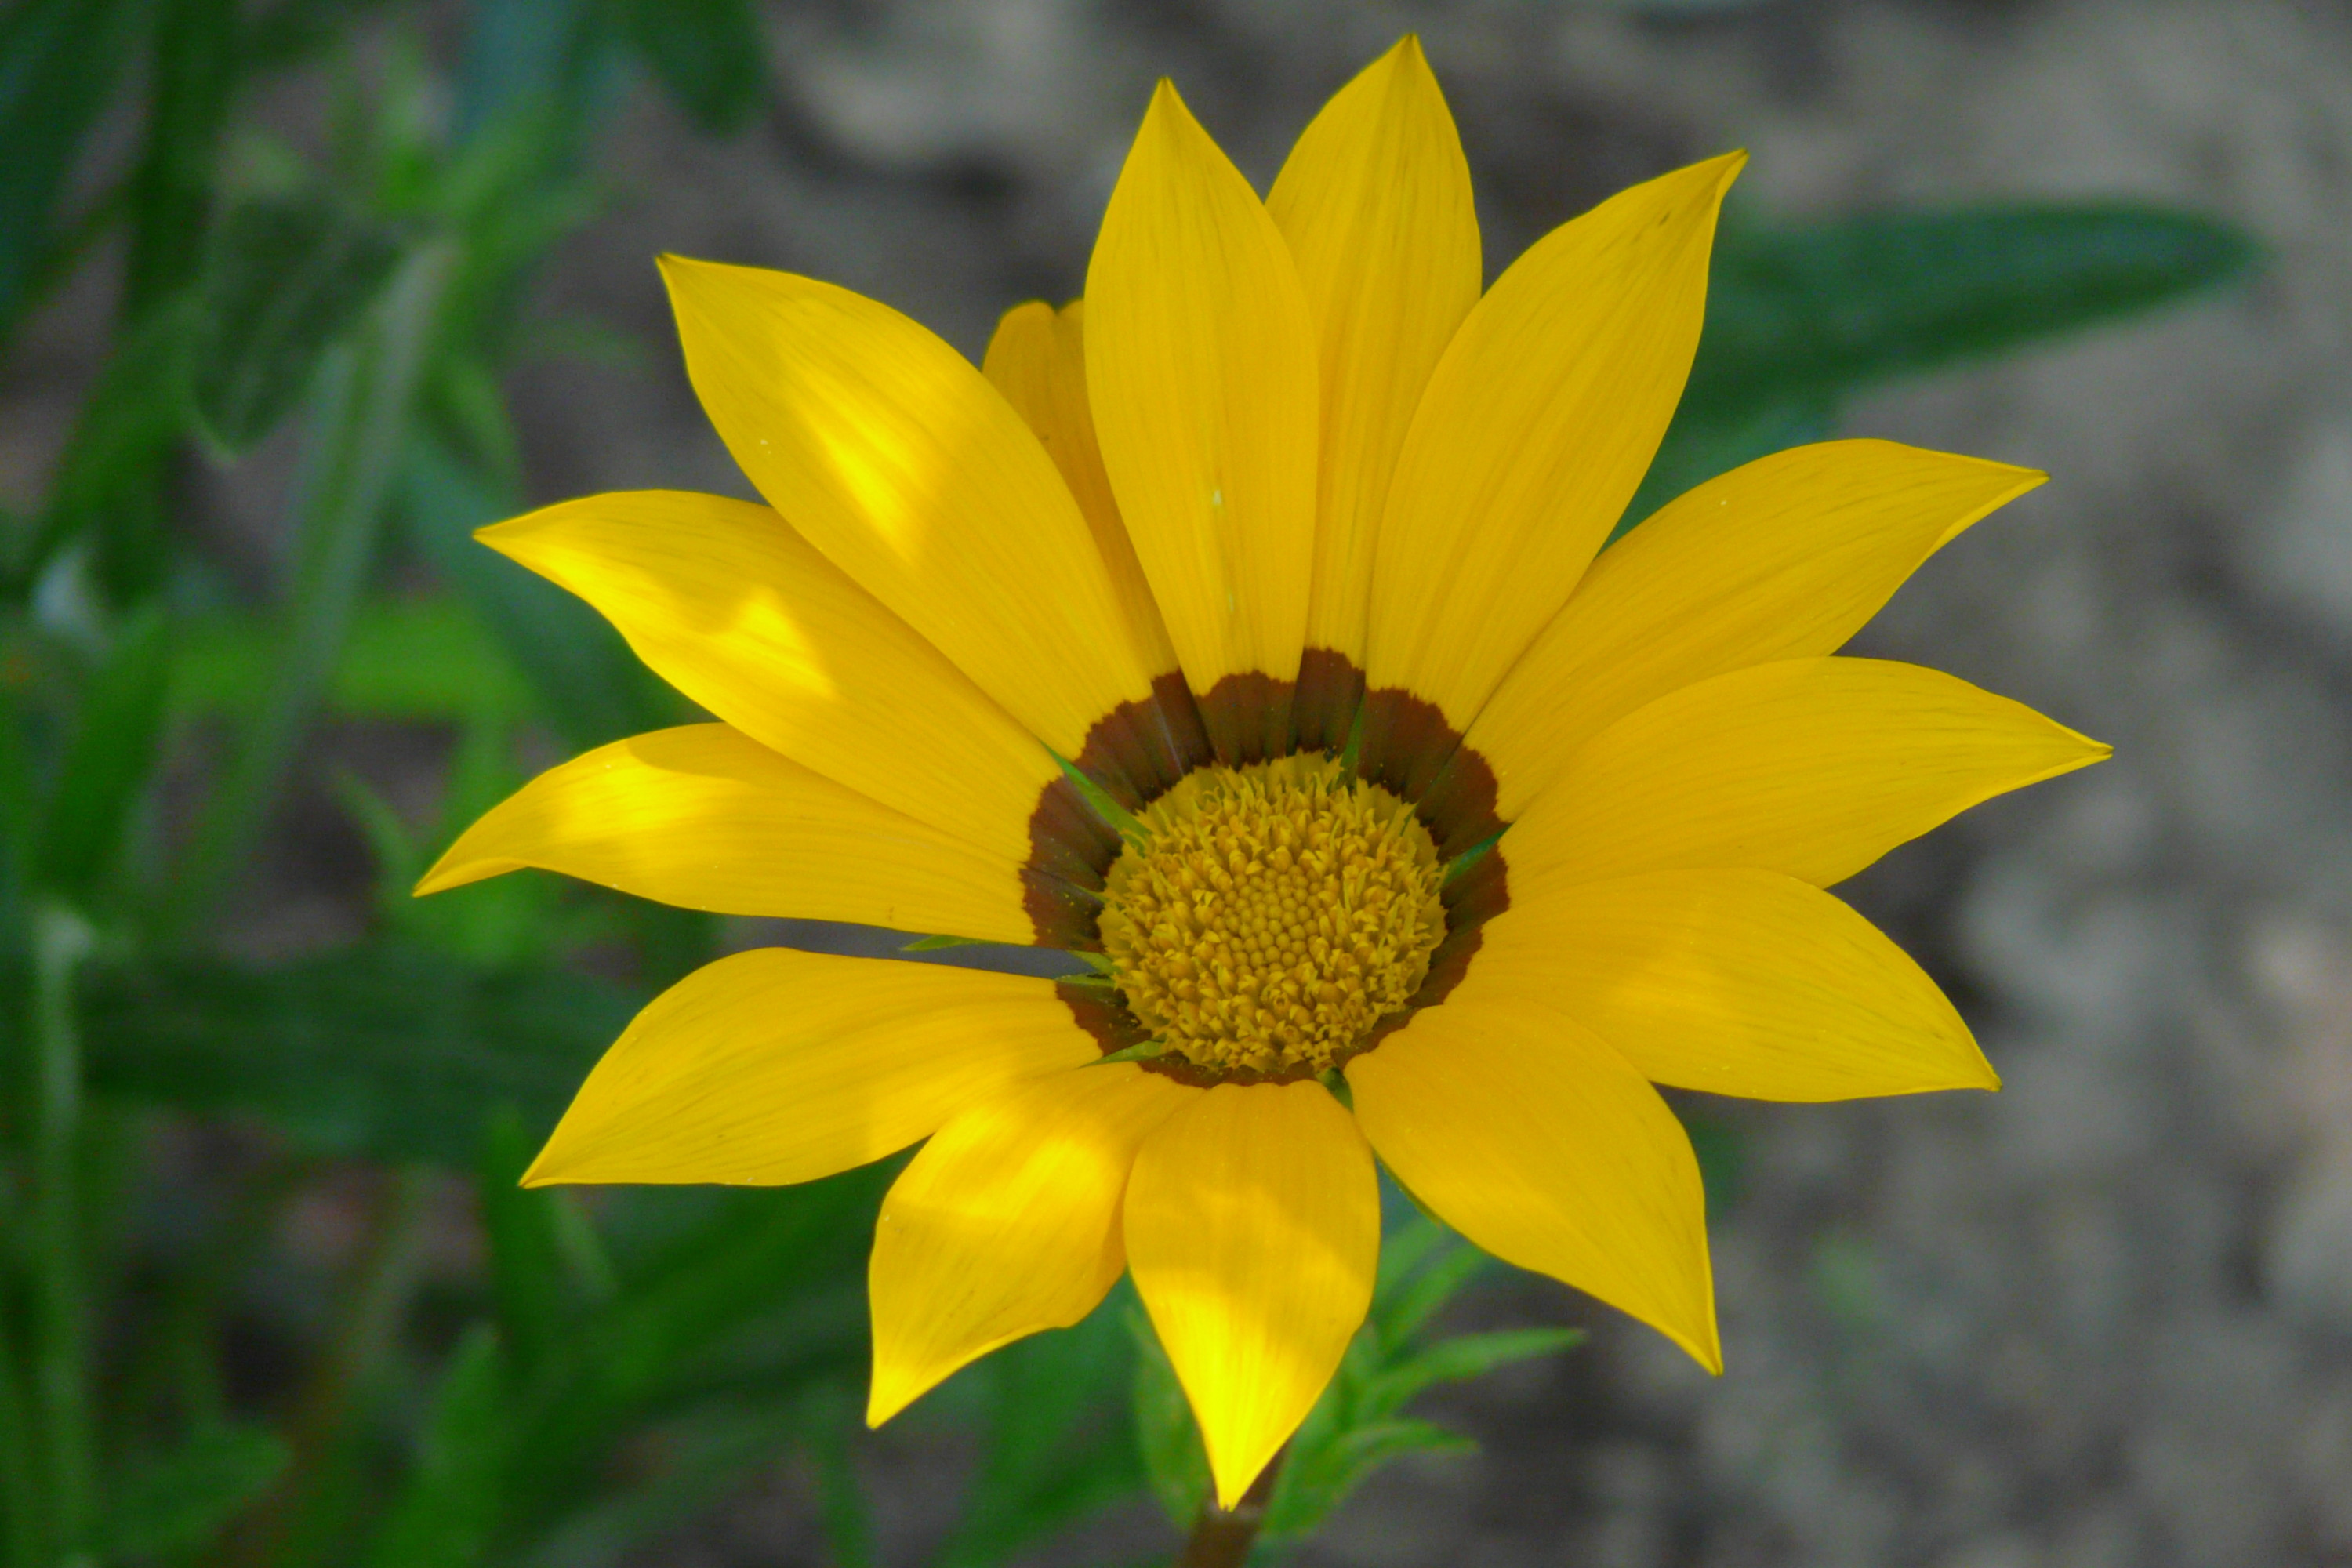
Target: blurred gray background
2099	1320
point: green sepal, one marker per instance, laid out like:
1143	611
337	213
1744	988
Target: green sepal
1100	802
1472	856
1141	1051
936	943
1352	753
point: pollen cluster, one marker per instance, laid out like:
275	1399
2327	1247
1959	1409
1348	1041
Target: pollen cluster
1268	916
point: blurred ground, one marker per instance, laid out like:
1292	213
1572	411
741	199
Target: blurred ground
2100	1320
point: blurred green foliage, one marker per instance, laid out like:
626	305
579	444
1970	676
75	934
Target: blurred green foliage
619	1363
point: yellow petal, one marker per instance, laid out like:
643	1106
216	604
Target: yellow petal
1744	983
1200	370
1536	425
706	817
1038	361
886	450
740	613
1784	558
1541	1144
1375	202
1007	1222
772	1066
1814	767
1254	1228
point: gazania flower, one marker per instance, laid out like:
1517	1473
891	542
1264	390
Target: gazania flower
1243	630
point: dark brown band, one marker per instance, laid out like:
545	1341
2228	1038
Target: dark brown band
1141	749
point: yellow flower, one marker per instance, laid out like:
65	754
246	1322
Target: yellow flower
1217	629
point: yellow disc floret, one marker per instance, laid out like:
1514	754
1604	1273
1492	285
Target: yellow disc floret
1268	916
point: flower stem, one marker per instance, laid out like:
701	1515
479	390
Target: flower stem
1222	1538
60	1391
367	1327
24	1531
360	434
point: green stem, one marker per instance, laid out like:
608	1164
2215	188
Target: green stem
366	395
173	1360
842	1514
61	939
1120	820
367	1323
193	72
1222	1538
20	1486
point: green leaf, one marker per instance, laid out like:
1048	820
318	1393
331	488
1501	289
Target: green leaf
290	31
181	1499
192	79
383	1051
1460	1358
527	57
108	763
359	429
589	685
1100	802
764	1300
1141	1051
285	280
940	944
710	55
1315	1483
526	1245
1416	1287
844	1518
1707	439
497	923
1358	1424
1798	317
59	61
771	1289
1054	1446
1722	1149
704	1461
426	660
18	815
420	660
1808	313
1174	1462
467	414
450	1511
104	489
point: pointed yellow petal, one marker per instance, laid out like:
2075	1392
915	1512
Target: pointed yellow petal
1541	1144
772	1066
1006	1222
1784	558
1253	1228
1537	426
1814	767
1200	370
1744	983
740	613
1038	361
886	450
706	817
1375	202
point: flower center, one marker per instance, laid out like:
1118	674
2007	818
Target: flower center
1270	915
